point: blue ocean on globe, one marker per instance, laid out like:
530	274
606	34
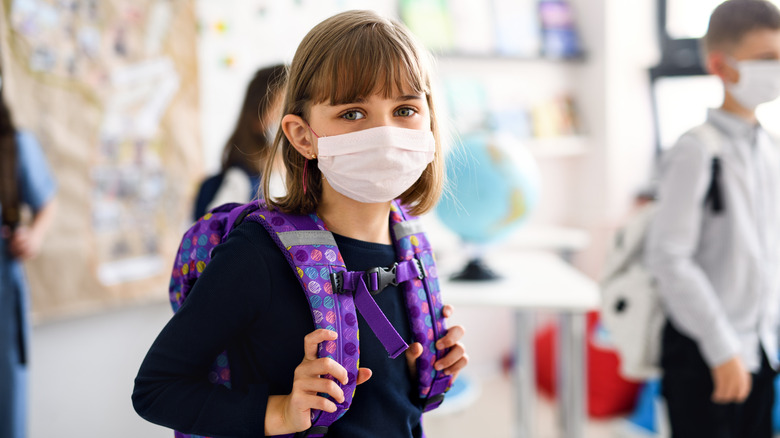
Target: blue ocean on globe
492	187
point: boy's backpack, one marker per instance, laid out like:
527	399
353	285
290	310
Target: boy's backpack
630	306
334	294
210	186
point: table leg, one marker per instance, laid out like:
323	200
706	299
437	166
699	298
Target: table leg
572	385
524	375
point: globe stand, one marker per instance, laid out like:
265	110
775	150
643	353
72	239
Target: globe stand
475	270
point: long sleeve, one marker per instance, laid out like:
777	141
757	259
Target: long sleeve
686	292
36	182
171	388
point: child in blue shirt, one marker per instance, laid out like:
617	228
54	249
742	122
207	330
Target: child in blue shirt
31	185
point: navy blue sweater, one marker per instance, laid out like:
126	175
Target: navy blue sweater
249	302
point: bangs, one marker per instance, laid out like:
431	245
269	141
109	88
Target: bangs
377	59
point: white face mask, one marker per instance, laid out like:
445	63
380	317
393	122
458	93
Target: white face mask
759	82
376	164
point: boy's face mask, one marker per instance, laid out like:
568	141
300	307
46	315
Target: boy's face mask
759	82
376	164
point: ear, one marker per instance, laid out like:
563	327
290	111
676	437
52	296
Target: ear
299	135
718	65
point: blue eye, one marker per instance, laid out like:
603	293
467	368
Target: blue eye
405	112
352	115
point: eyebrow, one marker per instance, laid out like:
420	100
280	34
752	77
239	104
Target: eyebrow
404	98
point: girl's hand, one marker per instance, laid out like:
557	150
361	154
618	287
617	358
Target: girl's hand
454	361
25	243
292	413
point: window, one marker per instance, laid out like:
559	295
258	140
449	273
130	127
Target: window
681	89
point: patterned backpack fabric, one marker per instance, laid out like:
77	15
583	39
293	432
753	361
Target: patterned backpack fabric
334	294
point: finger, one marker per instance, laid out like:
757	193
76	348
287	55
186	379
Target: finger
717	392
319	385
454	355
728	392
363	375
724	393
304	402
324	366
447	310
454	334
455	369
313	339
413	352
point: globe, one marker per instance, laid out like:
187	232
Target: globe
492	188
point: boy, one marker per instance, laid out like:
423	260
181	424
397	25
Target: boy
717	271
24	179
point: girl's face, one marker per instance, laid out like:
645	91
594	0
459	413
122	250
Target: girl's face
401	109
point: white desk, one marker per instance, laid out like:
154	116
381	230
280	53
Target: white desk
535	281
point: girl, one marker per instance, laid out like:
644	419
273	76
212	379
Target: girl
249	145
358	97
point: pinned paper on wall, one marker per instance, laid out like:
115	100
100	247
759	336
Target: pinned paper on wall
113	102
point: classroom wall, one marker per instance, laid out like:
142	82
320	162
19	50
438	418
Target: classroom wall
110	89
588	178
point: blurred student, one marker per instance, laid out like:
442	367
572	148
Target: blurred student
717	271
245	152
25	179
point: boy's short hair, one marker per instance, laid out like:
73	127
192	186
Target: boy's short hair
732	19
349	56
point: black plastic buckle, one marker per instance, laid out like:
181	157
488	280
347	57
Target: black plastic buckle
314	430
433	400
384	277
337	281
420	268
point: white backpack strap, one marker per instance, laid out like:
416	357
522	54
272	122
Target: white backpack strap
710	137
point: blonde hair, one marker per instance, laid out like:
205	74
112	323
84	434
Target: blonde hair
350	56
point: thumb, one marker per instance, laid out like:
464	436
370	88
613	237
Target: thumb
412	353
363	375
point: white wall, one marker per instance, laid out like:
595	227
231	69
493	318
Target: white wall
236	38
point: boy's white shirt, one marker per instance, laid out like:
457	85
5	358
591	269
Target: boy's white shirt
718	275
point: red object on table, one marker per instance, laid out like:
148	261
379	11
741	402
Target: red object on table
609	394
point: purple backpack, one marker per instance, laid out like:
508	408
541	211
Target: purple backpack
334	294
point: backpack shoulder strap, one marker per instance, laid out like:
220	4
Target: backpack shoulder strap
628	242
423	301
311	251
713	141
711	137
